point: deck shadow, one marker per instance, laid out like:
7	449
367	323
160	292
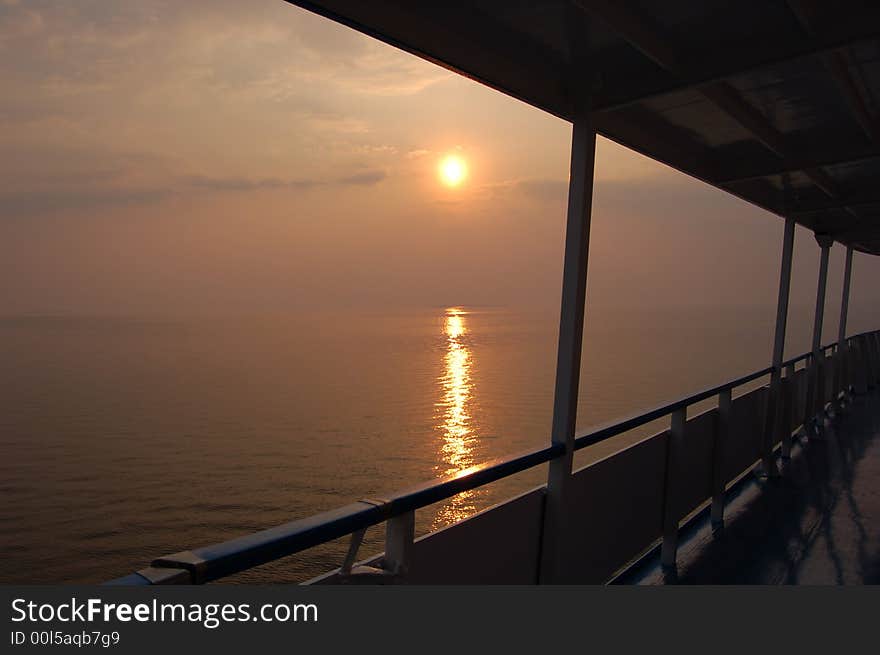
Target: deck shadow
817	524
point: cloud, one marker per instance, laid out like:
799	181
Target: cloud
544	189
19	23
664	194
366	178
336	124
24	204
197	93
670	195
362	178
244	183
53	199
102	64
539	189
376	149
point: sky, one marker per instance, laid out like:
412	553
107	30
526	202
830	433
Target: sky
220	156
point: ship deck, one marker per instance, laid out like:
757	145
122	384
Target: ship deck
817	524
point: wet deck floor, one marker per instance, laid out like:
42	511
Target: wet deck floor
819	524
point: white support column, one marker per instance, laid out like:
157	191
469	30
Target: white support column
844	300
773	400
815	380
825	244
842	355
568	361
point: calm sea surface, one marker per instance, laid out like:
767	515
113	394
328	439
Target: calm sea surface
125	439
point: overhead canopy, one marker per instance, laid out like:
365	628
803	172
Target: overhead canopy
775	102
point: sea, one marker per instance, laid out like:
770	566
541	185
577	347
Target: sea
127	438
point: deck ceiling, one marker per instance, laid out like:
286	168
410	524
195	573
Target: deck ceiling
775	102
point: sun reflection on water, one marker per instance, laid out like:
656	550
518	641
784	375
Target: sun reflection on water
458	437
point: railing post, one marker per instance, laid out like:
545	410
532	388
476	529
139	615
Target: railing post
669	548
829	362
848	368
786	394
860	364
557	514
725	401
874	349
876	337
873	362
849	380
770	414
866	355
791	397
840	385
814	381
399	539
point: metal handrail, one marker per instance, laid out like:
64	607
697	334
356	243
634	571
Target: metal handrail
618	427
252	550
808	354
226	558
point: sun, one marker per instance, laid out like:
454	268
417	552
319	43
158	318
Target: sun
452	170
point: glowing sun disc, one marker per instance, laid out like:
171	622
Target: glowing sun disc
452	170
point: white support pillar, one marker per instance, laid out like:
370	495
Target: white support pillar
844	300
825	244
568	361
842	355
773	401
815	379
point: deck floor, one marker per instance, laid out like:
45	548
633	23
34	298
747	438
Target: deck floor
818	524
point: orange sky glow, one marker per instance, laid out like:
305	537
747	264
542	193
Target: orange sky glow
164	157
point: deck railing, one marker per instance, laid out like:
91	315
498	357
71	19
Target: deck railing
853	373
